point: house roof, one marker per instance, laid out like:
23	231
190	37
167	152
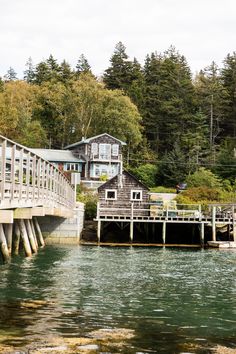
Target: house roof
56	155
88	140
128	173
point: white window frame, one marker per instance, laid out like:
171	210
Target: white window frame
136	191
94	149
102	154
115	149
110	190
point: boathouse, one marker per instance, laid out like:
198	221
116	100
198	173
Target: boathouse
125	204
119	194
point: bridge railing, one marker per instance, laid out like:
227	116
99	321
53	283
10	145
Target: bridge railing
28	180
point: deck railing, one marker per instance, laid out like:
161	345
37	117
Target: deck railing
28	180
150	211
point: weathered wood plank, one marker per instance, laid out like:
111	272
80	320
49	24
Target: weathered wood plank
23	213
6	216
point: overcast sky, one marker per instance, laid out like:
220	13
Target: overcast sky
201	30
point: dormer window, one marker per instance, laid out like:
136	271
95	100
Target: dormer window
136	195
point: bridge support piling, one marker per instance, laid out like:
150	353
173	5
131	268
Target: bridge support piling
8	228
24	237
38	231
3	245
34	233
30	236
16	239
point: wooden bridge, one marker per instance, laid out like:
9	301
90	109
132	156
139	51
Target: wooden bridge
29	187
213	216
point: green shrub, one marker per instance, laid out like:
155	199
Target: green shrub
146	174
198	194
203	178
103	178
90	200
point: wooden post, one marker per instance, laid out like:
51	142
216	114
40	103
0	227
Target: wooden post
99	231
202	234
131	231
24	237
213	223
30	235
8	228
34	233
164	233
16	239
3	245
38	231
233	222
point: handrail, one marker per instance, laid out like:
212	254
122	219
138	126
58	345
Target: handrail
134	209
28	180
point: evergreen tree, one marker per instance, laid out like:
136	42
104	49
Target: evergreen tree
65	72
169	102
82	66
135	89
29	73
228	76
211	96
42	73
47	70
119	74
11	75
174	167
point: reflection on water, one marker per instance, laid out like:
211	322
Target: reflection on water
142	300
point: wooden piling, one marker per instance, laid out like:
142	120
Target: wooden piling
8	228
164	232
30	236
16	239
202	234
3	245
24	237
34	233
131	231
213	223
233	223
99	231
38	232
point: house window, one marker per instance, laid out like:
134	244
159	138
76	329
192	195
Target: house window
72	167
136	195
104	151
94	148
111	194
115	149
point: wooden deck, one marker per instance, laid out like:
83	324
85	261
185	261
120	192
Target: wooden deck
212	216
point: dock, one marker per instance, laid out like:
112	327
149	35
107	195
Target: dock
214	216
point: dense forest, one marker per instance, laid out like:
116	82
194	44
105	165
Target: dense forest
173	123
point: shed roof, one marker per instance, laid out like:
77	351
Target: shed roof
88	140
106	184
57	155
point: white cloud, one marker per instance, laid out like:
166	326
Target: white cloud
202	30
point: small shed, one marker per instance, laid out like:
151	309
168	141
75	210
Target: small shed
123	195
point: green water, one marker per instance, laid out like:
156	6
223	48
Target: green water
175	300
